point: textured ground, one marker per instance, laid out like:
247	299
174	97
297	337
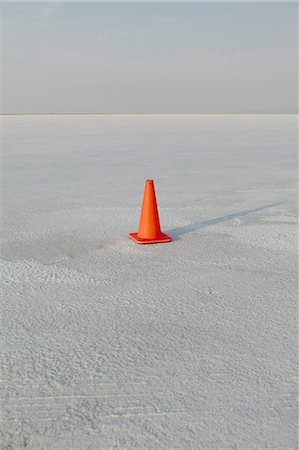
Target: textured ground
108	344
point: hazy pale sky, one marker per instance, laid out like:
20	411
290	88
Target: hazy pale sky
149	57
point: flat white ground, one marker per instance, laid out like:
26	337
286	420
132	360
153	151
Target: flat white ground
108	344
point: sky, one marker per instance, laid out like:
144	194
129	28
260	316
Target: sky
196	57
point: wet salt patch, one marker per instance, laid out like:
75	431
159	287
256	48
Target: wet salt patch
31	272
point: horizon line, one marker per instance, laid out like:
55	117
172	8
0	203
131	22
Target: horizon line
144	113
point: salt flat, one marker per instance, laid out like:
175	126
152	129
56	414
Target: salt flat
107	344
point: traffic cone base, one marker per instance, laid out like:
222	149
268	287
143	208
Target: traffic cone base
161	238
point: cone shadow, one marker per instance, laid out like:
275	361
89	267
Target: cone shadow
175	233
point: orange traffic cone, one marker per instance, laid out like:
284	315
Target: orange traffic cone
149	231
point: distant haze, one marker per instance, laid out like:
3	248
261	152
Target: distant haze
149	57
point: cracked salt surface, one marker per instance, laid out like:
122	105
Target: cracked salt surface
107	344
